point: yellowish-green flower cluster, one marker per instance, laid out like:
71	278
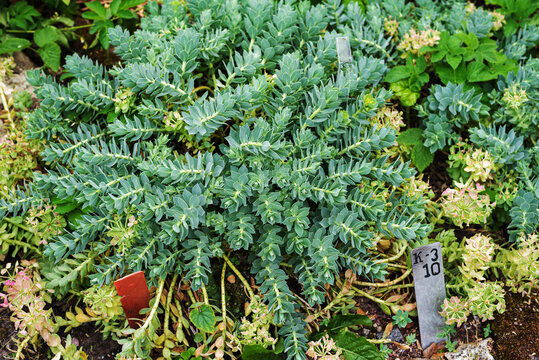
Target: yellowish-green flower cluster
7	64
470	8
455	310
499	20
324	349
466	206
415	40
417	187
477	162
254	331
506	191
18	157
514	96
123	231
391	26
103	301
485	299
478	253
124	100
521	265
388	117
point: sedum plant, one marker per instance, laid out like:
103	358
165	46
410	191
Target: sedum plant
466	205
296	177
476	267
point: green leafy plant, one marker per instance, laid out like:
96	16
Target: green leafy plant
411	339
385	350
407	80
420	154
518	13
105	18
447	332
333	339
462	57
487	331
293	149
402	318
23	27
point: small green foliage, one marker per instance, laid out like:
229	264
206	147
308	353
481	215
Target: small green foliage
105	18
411	339
455	311
189	354
402	318
447	332
22	26
462	57
421	156
408	79
487	331
385	351
22	100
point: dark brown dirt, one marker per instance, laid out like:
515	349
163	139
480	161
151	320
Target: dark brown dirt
436	174
92	343
516	331
469	332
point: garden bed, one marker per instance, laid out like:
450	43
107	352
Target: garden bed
269	167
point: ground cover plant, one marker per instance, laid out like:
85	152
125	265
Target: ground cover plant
46	26
263	185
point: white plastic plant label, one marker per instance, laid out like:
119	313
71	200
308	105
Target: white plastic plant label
344	53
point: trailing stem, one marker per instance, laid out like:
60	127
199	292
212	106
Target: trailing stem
240	276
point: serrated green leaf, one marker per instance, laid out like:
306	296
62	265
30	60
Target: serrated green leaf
478	72
454	60
65	208
487	50
410	137
203	318
401	90
397	73
448	74
50	53
469	39
420	64
45	36
91	15
356	347
436	57
10	45
127	4
115	6
454	44
98	8
421	157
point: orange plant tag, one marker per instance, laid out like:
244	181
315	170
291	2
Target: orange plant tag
135	296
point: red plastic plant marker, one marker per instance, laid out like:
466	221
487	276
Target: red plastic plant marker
135	296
